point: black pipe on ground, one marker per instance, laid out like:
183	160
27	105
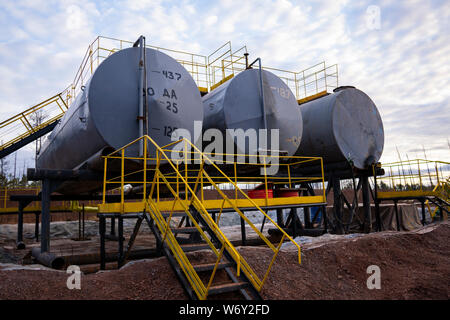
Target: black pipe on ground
48	259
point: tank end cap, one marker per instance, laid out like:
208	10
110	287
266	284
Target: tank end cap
343	88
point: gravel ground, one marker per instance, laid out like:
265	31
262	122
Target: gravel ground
414	265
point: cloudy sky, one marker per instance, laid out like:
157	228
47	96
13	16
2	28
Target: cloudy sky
402	62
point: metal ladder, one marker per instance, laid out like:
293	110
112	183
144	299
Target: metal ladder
19	130
191	274
169	192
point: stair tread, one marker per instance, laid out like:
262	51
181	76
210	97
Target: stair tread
185	229
227	287
175	214
194	246
210	266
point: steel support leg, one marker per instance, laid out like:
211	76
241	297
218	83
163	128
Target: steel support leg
307	217
243	235
422	202
378	215
133	236
366	204
280	220
19	243
120	241
337	208
102	231
113	227
294	217
397	217
36	226
84	224
79	225
45	217
325	218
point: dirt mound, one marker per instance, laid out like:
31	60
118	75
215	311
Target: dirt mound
414	265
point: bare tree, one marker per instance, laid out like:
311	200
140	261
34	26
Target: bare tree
4	164
15	164
37	118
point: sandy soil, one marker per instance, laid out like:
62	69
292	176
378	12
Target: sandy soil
414	265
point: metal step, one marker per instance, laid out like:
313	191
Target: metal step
227	287
210	266
175	214
194	247
185	230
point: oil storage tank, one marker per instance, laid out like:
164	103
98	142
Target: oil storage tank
105	115
344	126
240	103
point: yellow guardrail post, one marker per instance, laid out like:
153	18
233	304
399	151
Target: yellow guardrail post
105	171
144	187
201	177
122	179
437	173
323	183
157	172
186	169
420	176
235	181
266	187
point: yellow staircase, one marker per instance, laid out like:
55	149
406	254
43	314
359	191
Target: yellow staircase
30	124
172	189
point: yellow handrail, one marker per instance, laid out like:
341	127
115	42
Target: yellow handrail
168	173
416	177
415	174
22	125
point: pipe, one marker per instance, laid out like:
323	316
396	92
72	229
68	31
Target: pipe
142	93
262	90
48	259
246	60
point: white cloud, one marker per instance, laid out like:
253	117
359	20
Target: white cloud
403	66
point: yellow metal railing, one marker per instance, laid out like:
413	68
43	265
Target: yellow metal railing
316	79
32	120
411	175
223	64
168	174
102	47
6	192
212	70
416	177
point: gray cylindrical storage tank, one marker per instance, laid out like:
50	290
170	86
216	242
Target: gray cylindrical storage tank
344	125
104	116
237	104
